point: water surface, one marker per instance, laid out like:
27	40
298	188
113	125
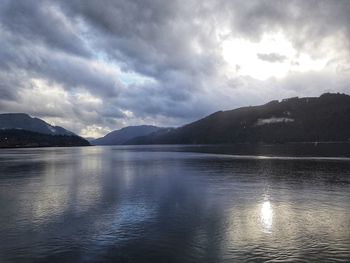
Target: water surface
160	204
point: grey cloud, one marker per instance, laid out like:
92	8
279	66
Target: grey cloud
42	21
151	37
39	61
306	23
272	57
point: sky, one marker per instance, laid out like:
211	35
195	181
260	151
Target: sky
96	66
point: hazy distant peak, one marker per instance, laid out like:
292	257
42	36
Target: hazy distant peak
125	134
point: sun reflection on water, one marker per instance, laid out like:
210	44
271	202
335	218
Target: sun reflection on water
266	216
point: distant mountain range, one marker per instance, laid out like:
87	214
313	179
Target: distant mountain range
313	119
123	135
21	130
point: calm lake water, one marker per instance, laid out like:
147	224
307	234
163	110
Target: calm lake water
158	204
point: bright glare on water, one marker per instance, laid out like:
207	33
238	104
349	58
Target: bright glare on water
158	204
266	215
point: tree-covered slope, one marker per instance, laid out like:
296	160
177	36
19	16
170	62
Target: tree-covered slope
324	118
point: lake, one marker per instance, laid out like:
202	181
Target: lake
171	204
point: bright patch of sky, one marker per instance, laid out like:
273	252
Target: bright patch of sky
245	58
126	77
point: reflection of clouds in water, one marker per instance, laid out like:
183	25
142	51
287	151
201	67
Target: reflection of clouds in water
48	199
115	200
266	216
120	223
66	183
88	187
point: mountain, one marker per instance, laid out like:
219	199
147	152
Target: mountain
25	122
21	130
15	138
125	134
325	118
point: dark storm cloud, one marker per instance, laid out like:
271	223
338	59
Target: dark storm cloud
42	21
84	47
306	22
155	38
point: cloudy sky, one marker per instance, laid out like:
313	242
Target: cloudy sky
93	66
